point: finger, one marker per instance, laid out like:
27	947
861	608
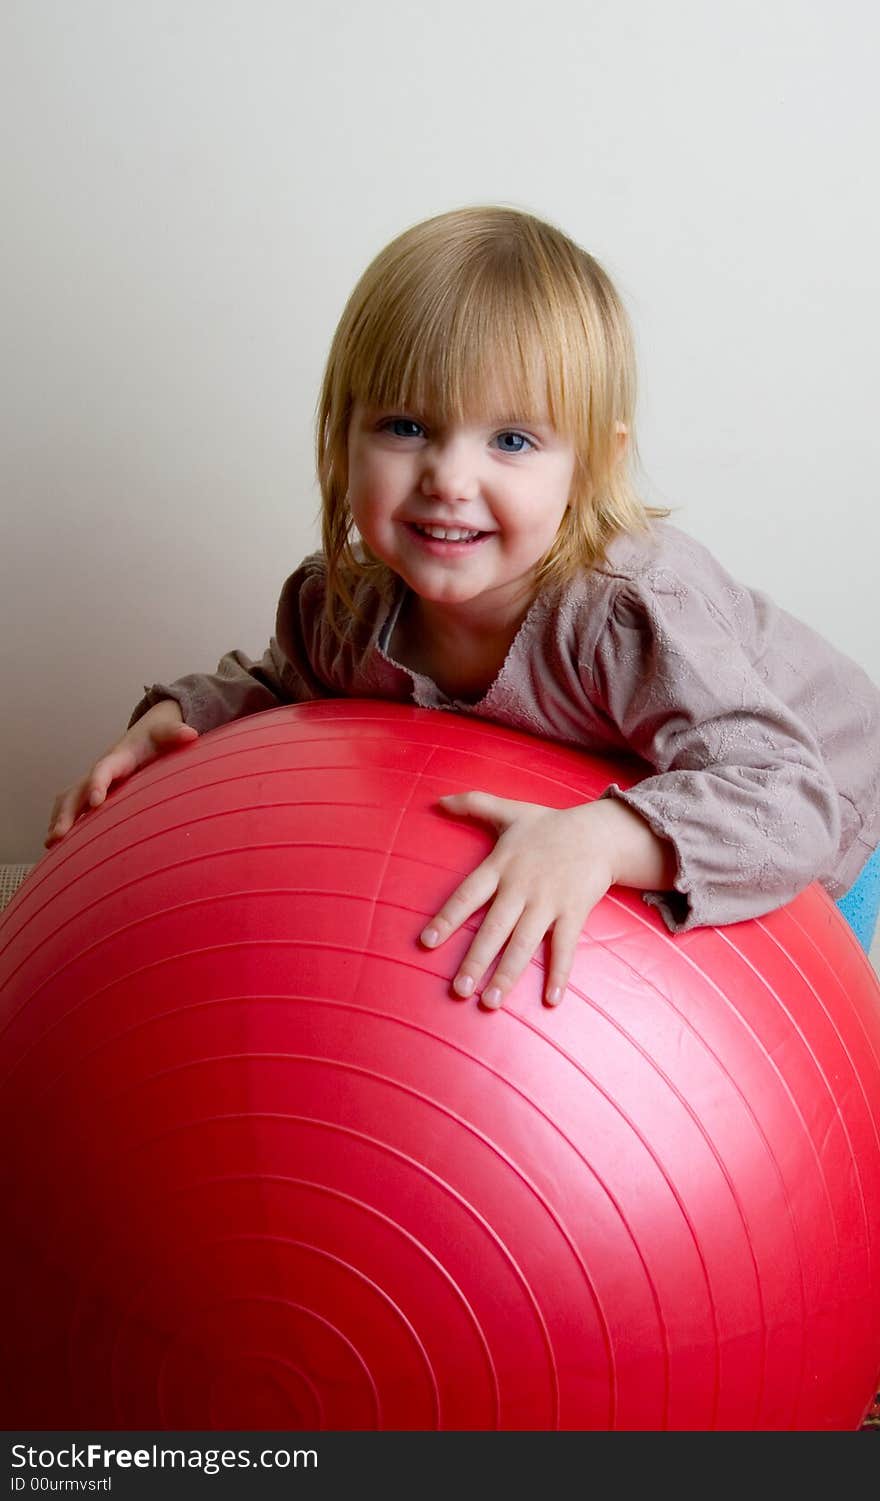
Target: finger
474	891
104	773
524	941
167	736
563	947
96	791
54	831
497	811
63	816
495	930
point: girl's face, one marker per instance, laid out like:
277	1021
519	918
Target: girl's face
463	512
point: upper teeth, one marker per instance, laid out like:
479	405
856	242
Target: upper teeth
447	533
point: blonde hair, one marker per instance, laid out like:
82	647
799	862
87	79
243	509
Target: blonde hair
443	310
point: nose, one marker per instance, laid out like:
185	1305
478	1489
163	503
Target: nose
449	471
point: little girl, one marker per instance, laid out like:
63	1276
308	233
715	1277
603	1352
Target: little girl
485	552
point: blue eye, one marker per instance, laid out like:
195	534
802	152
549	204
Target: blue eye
396	423
520	439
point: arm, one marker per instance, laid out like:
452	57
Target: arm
285	673
238	687
740	788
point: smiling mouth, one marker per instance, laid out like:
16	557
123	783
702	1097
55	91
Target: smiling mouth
459	534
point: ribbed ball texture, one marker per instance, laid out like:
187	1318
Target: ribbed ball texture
262	1171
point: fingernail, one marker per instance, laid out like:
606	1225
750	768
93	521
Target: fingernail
554	996
492	997
463	985
430	937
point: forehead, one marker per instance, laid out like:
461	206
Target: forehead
503	400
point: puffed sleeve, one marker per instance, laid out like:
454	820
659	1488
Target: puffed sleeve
283	675
741	790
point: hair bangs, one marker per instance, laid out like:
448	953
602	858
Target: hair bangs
475	348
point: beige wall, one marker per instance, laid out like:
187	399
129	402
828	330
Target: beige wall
191	188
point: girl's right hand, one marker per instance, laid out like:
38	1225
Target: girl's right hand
160	730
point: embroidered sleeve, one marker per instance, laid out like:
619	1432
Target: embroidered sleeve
740	787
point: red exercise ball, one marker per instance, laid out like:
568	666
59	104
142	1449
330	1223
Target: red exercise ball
262	1171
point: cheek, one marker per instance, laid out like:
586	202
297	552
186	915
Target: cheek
361	483
376	478
544	522
361	511
368	509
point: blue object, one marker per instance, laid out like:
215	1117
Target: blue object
861	905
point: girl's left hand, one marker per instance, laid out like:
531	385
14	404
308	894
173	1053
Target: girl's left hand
548	870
